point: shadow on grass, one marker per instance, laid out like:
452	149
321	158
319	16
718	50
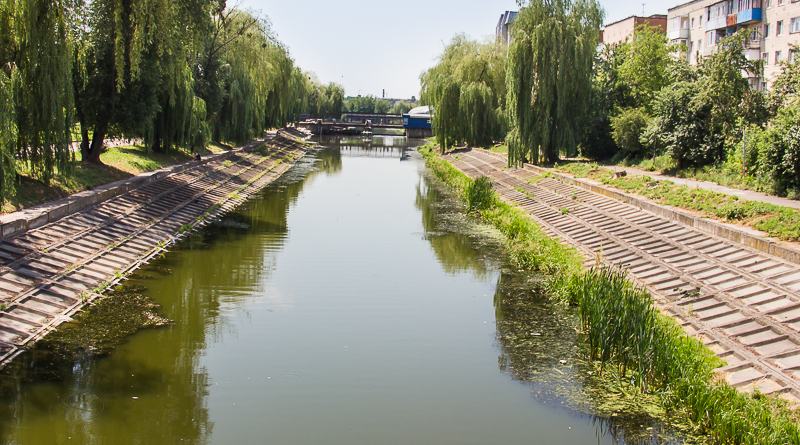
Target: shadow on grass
117	163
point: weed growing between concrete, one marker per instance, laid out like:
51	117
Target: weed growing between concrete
632	345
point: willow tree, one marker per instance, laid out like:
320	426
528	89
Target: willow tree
8	120
125	57
467	90
549	77
42	66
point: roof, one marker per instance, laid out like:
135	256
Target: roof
654	16
420	110
507	18
685	4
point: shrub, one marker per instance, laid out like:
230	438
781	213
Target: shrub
479	194
627	128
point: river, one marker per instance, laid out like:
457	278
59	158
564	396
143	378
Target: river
348	303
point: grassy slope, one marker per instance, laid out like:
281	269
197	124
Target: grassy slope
628	336
780	222
118	163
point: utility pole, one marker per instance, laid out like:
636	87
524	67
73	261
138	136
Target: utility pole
744	152
643	9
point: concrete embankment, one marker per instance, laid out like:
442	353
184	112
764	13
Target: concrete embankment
741	299
56	258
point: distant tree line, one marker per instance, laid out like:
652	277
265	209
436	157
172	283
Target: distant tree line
556	92
371	104
174	73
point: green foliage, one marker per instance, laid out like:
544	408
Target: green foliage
401	107
8	136
779	154
365	104
682	125
479	194
466	90
42	79
528	246
382	107
608	95
628	127
647	65
549	79
623	328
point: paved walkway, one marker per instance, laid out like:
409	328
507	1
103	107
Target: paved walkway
50	272
705	185
743	303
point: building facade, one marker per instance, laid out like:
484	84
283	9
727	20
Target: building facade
773	26
503	30
622	30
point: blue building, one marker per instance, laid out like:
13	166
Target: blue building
418	122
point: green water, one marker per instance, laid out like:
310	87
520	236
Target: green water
348	303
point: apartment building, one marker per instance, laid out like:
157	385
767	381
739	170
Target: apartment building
773	26
622	30
502	31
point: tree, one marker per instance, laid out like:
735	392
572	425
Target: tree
628	127
682	125
41	69
467	91
122	68
382	107
648	64
724	86
401	107
609	94
549	77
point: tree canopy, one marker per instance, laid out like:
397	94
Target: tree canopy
467	90
549	79
172	73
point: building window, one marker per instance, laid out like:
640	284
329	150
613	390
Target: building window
780	2
766	30
794	25
700	44
765	58
777	57
692	23
779	28
791	56
768	3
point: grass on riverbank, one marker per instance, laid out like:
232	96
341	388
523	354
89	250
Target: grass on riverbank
118	163
629	339
780	222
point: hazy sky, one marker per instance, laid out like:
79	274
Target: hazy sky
372	45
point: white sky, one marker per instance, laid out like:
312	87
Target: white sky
372	45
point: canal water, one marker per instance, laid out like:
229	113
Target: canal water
348	303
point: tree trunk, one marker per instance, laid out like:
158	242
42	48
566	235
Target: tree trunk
84	140
97	143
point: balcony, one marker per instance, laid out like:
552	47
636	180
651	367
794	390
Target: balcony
752	54
717	23
749	16
680	33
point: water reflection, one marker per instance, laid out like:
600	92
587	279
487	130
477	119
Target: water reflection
319	313
460	244
145	394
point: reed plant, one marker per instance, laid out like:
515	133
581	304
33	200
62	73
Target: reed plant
479	194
